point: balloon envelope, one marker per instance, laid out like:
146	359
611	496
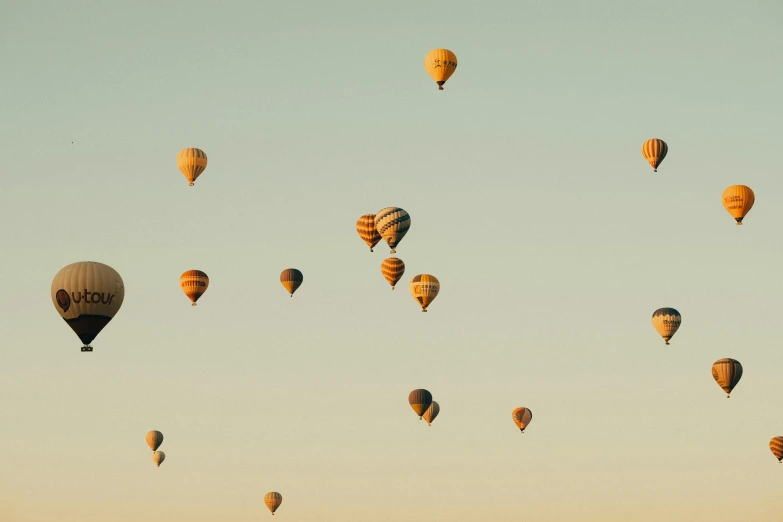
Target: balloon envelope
87	295
522	417
392	223
291	279
431	413
666	322
424	288
654	151
154	439
191	162
727	373
440	64
365	226
420	400
158	457
776	447
392	269
738	200
194	283
273	499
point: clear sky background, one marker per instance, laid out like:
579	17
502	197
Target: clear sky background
552	238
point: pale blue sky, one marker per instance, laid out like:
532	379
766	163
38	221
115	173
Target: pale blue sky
552	238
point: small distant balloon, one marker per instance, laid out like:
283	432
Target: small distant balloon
776	447
440	64
738	200
154	439
522	417
191	162
654	151
392	269
158	457
365	226
727	373
666	321
392	223
273	499
431	413
424	288
194	283
291	279
420	400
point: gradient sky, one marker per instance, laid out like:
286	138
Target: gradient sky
552	238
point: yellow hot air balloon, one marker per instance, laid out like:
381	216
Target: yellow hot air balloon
87	295
727	373
194	283
522	417
440	64
776	447
431	413
365	226
666	321
654	151
392	269
424	288
158	457
392	224
291	279
191	163
738	200
154	439
420	400
273	499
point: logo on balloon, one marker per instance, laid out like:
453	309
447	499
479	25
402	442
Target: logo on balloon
63	300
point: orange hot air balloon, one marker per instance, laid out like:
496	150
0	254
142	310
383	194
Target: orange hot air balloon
727	373
420	400
424	288
154	439
431	413
522	417
776	447
654	151
87	295
191	162
158	457
365	226
291	279
440	64
738	200
273	499
194	283
392	269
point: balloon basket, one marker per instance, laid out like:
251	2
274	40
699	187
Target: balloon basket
86	348
192	304
192	184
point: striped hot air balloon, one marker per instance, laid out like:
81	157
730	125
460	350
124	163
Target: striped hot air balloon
420	400
727	373
666	321
654	151
194	283
365	226
392	223
392	269
776	447
273	499
191	163
87	295
738	200
522	417
291	279
154	439
440	64
158	457
424	288
431	413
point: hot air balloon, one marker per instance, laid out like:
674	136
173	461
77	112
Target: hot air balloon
392	223
440	64
194	283
291	278
522	417
424	288
273	499
365	226
738	200
666	321
420	400
431	413
727	373
776	447
158	457
87	295
654	151
191	163
154	439
392	269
